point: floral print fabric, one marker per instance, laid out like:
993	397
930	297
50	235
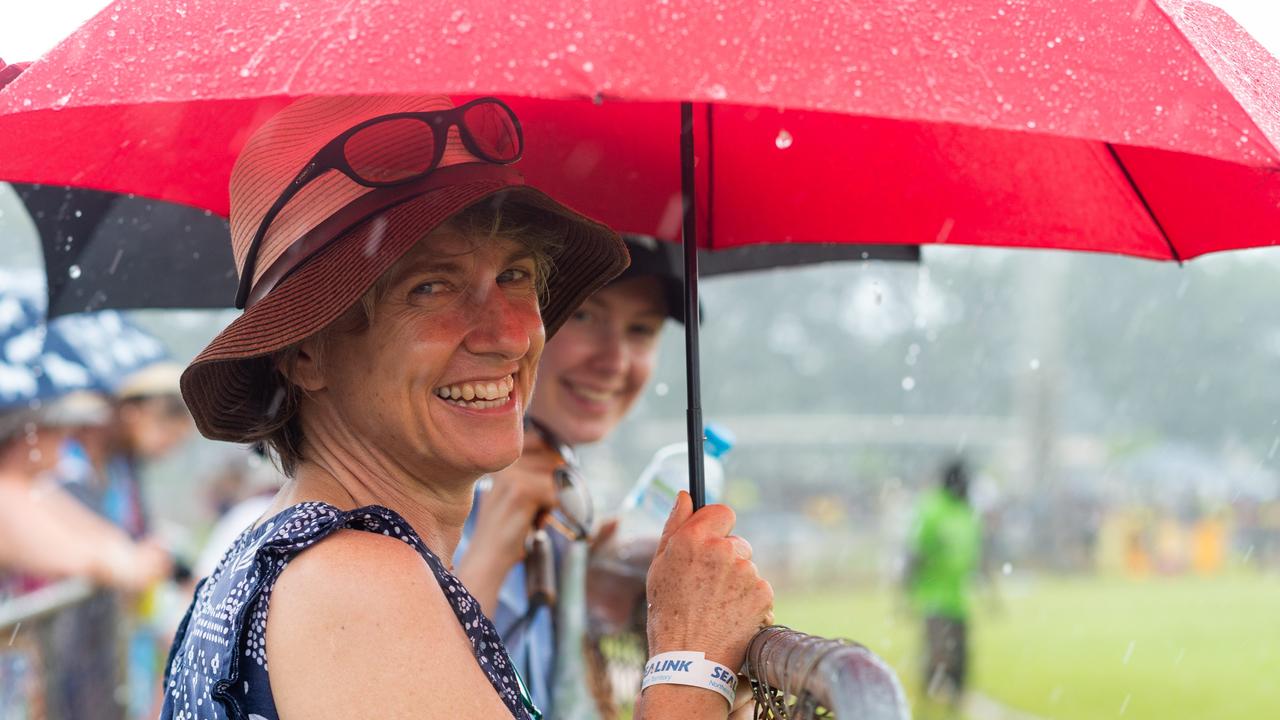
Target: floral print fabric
218	668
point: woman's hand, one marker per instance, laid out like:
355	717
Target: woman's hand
507	513
705	594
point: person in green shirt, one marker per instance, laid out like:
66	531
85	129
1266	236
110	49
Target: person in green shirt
944	555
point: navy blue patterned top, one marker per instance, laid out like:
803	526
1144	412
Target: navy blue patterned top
218	665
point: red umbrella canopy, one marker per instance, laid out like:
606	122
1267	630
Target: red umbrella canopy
1147	128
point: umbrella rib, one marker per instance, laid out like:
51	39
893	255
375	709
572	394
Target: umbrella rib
1173	251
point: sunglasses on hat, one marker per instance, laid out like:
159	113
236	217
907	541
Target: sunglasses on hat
396	149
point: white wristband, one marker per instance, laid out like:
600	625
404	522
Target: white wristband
690	668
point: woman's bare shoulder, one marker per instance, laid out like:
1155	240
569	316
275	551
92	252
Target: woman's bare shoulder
359	622
351	579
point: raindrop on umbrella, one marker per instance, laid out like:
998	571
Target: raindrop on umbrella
784	140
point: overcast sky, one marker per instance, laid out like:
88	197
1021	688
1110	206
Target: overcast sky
31	28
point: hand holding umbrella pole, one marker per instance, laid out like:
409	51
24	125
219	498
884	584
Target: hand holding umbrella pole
697	483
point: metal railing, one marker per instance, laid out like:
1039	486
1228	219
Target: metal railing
42	644
42	603
797	676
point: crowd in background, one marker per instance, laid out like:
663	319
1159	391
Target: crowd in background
85	402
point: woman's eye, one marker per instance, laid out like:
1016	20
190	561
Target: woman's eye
646	331
581	315
435	287
515	276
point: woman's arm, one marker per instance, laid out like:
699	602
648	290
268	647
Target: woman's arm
705	595
45	531
359	627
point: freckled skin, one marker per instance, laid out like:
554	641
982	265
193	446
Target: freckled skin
456	310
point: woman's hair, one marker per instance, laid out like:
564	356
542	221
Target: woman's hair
542	232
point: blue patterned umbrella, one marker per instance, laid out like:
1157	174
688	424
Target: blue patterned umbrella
40	361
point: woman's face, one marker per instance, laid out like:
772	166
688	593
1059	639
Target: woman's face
153	427
597	365
440	378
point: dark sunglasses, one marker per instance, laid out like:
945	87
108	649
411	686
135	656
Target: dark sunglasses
396	149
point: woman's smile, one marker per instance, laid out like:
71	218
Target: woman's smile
480	394
591	399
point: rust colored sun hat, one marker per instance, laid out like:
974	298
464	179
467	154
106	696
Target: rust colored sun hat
335	237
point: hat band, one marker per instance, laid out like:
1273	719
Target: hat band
365	207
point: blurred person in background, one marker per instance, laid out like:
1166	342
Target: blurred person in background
101	465
589	378
48	534
45	533
151	422
944	555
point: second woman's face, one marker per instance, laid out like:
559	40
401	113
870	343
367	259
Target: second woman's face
441	377
598	363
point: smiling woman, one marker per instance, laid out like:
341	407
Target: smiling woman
432	277
401	281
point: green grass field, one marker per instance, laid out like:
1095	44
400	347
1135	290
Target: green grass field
1085	648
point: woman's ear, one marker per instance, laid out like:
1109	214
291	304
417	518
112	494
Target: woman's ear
302	366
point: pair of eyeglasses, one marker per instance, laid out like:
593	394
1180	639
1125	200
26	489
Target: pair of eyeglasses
396	149
574	513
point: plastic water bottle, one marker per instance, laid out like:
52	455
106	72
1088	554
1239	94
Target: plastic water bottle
617	570
646	508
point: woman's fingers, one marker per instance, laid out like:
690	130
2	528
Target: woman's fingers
713	521
705	593
680	514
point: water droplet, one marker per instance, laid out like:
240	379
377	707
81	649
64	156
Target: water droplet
74	272
1034	364
1031	124
588	66
661	389
717	92
908	383
464	27
1007	568
784	140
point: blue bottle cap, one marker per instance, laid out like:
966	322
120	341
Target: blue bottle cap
719	440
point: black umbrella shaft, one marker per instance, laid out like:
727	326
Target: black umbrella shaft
693	378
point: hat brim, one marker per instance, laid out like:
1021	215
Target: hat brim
231	387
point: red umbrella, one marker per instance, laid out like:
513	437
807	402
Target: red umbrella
1145	127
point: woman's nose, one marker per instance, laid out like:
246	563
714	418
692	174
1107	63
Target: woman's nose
610	352
502	325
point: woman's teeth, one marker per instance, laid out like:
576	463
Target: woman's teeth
592	395
478	394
